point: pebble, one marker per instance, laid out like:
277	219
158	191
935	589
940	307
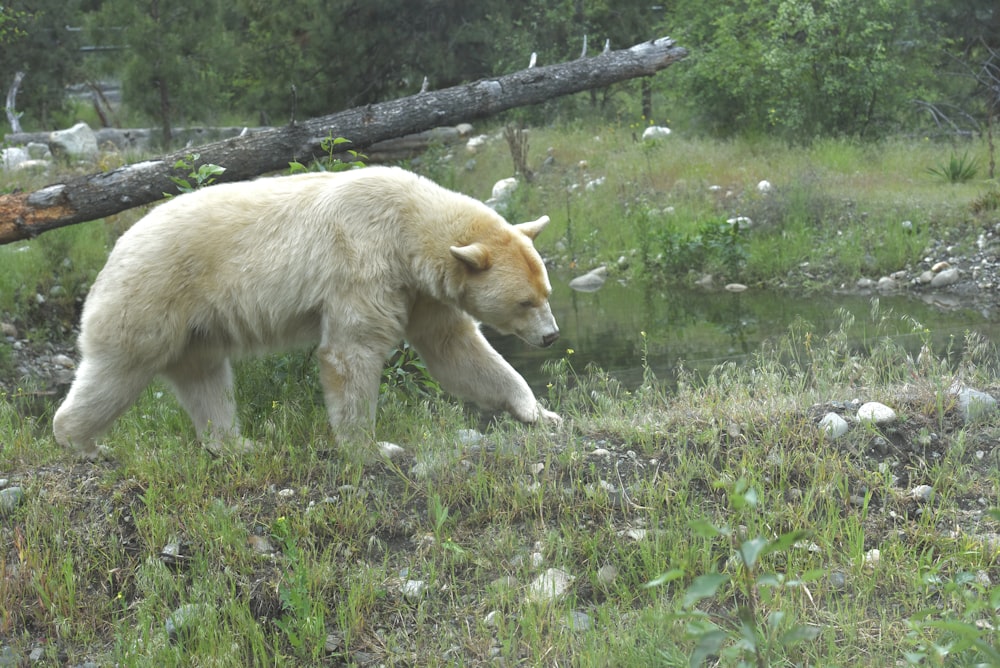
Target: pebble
600	452
10	498
872	557
468	437
413	590
607	574
186	617
877	413
390	450
286	493
260	544
492	618
550	586
922	493
579	621
736	287
833	425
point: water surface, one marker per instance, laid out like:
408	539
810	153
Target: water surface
703	329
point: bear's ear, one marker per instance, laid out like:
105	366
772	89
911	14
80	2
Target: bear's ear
476	256
532	229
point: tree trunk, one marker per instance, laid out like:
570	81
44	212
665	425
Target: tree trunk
24	215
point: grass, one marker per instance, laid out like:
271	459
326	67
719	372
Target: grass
693	483
710	520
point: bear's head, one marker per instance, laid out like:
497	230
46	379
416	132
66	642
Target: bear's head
506	284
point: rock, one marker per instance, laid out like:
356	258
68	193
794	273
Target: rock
925	277
13	157
887	283
77	142
946	277
592	281
260	544
876	413
8	330
10	498
503	190
736	287
469	437
940	266
833	425
975	405
550	586
764	186
8	657
922	493
492	618
390	450
413	590
286	493
185	618
872	557
742	221
607	574
579	621
655	132
864	284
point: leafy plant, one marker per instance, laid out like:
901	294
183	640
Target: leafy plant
958	169
202	175
748	636
964	632
332	161
406	374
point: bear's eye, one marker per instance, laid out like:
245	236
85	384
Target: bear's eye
527	303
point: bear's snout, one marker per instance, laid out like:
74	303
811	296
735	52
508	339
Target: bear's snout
550	338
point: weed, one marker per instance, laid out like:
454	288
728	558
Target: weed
201	176
958	169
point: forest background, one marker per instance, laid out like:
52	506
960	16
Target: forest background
793	69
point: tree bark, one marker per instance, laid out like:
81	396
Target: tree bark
24	215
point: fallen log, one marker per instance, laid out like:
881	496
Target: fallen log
25	215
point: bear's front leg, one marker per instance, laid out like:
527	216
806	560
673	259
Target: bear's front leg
462	360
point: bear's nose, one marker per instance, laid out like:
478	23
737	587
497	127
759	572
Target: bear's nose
550	338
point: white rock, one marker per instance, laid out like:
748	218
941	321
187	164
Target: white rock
922	492
550	586
78	141
736	287
390	450
13	157
833	425
64	361
875	412
600	452
887	283
864	283
504	188
742	221
940	266
925	277
974	405
764	186
492	618
946	277
591	281
286	493
413	590
872	557
656	132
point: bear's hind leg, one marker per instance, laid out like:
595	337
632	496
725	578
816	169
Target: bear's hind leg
99	394
204	387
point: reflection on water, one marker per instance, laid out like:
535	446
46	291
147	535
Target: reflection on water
705	329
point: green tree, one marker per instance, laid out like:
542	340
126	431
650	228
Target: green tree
35	39
802	68
176	65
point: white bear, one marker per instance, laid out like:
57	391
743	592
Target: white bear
355	261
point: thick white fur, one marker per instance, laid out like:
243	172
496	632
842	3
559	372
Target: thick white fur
355	261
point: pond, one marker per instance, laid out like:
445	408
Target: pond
703	329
